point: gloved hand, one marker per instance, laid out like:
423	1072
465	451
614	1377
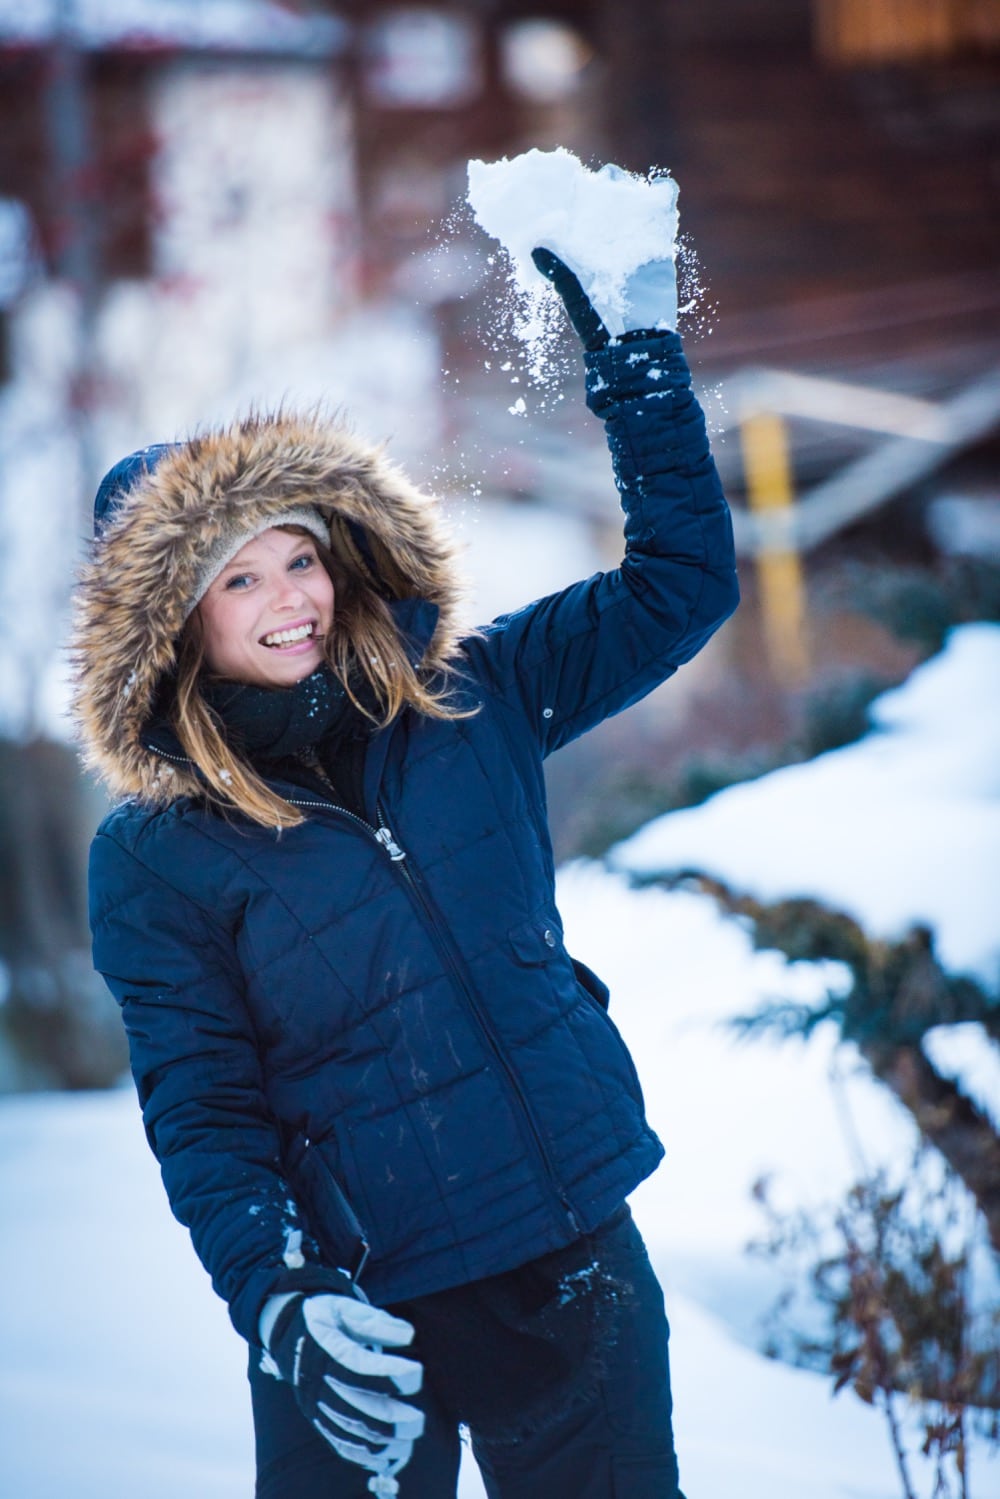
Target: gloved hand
650	299
330	1350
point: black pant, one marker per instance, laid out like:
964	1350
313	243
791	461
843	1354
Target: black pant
614	1440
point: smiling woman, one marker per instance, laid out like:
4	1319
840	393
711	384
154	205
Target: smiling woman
387	1102
265	618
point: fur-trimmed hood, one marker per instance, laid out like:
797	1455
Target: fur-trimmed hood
132	593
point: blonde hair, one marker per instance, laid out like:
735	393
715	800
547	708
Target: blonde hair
365	640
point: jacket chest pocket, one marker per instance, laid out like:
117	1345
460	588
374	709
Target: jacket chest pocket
538	940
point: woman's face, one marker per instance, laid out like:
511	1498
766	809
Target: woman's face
264	618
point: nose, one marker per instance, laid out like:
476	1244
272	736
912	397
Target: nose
287	593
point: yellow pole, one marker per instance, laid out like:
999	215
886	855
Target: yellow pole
768	473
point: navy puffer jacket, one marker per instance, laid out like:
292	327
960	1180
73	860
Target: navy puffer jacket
370	1031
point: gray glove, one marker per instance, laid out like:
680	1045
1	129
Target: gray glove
651	297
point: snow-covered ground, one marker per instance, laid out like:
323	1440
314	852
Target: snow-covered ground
118	1370
120	1374
903	826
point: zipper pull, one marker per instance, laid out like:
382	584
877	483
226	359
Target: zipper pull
390	845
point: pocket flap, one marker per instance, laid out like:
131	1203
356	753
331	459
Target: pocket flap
538	939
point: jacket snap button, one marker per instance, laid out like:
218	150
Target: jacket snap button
549	937
546	712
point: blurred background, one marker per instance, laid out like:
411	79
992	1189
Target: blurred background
208	204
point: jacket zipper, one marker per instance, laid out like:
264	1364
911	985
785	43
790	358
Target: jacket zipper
400	858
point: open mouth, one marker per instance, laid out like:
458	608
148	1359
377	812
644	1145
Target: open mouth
280	640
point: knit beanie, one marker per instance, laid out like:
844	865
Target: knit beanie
118	481
235	536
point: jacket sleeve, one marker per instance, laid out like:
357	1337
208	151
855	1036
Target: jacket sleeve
174	972
594	648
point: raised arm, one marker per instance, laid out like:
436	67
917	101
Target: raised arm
593	649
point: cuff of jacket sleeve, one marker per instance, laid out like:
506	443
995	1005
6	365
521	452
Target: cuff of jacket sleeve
641	367
271	1314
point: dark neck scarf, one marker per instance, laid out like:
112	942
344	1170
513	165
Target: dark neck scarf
273	723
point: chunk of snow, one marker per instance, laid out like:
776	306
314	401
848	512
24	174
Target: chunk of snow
603	224
293	1256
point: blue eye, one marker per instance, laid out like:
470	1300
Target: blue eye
301	564
239	580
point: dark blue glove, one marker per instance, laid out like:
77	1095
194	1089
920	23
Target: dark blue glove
589	327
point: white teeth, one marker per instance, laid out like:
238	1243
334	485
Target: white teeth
287	637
